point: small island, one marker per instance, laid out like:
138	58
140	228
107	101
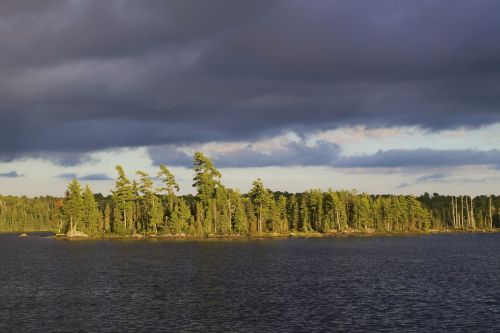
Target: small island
138	210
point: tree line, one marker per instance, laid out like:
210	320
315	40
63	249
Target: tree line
138	207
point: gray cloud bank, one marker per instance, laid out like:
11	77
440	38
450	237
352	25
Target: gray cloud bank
89	177
422	158
292	154
10	174
79	76
329	154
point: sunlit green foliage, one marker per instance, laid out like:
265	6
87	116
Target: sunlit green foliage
137	207
74	209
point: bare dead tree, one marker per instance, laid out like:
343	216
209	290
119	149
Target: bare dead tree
453	212
467	213
491	213
472	219
462	212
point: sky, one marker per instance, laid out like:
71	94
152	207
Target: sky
387	96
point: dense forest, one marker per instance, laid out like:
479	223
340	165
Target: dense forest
136	207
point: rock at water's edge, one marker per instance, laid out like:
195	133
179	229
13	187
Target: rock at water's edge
23	235
74	233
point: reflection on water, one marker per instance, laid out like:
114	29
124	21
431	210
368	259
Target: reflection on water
407	283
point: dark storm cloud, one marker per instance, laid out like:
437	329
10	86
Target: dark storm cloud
10	174
85	75
89	177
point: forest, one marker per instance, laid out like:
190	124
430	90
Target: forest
137	207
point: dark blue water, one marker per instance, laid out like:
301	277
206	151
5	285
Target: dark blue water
409	283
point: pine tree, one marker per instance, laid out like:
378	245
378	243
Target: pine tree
150	207
180	217
107	219
171	186
282	213
259	197
91	212
315	207
239	217
155	214
123	197
305	224
362	212
73	205
206	180
293	213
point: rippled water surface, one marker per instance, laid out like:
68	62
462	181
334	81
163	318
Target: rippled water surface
405	283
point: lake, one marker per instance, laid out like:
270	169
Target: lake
445	282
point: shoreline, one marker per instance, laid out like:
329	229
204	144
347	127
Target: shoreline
213	237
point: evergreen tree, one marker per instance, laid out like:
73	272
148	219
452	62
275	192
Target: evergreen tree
123	197
171	186
91	212
150	207
305	224
74	205
107	219
293	213
362	212
259	197
282	214
181	216
315	207
239	217
206	180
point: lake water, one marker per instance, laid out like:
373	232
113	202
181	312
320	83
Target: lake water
404	283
